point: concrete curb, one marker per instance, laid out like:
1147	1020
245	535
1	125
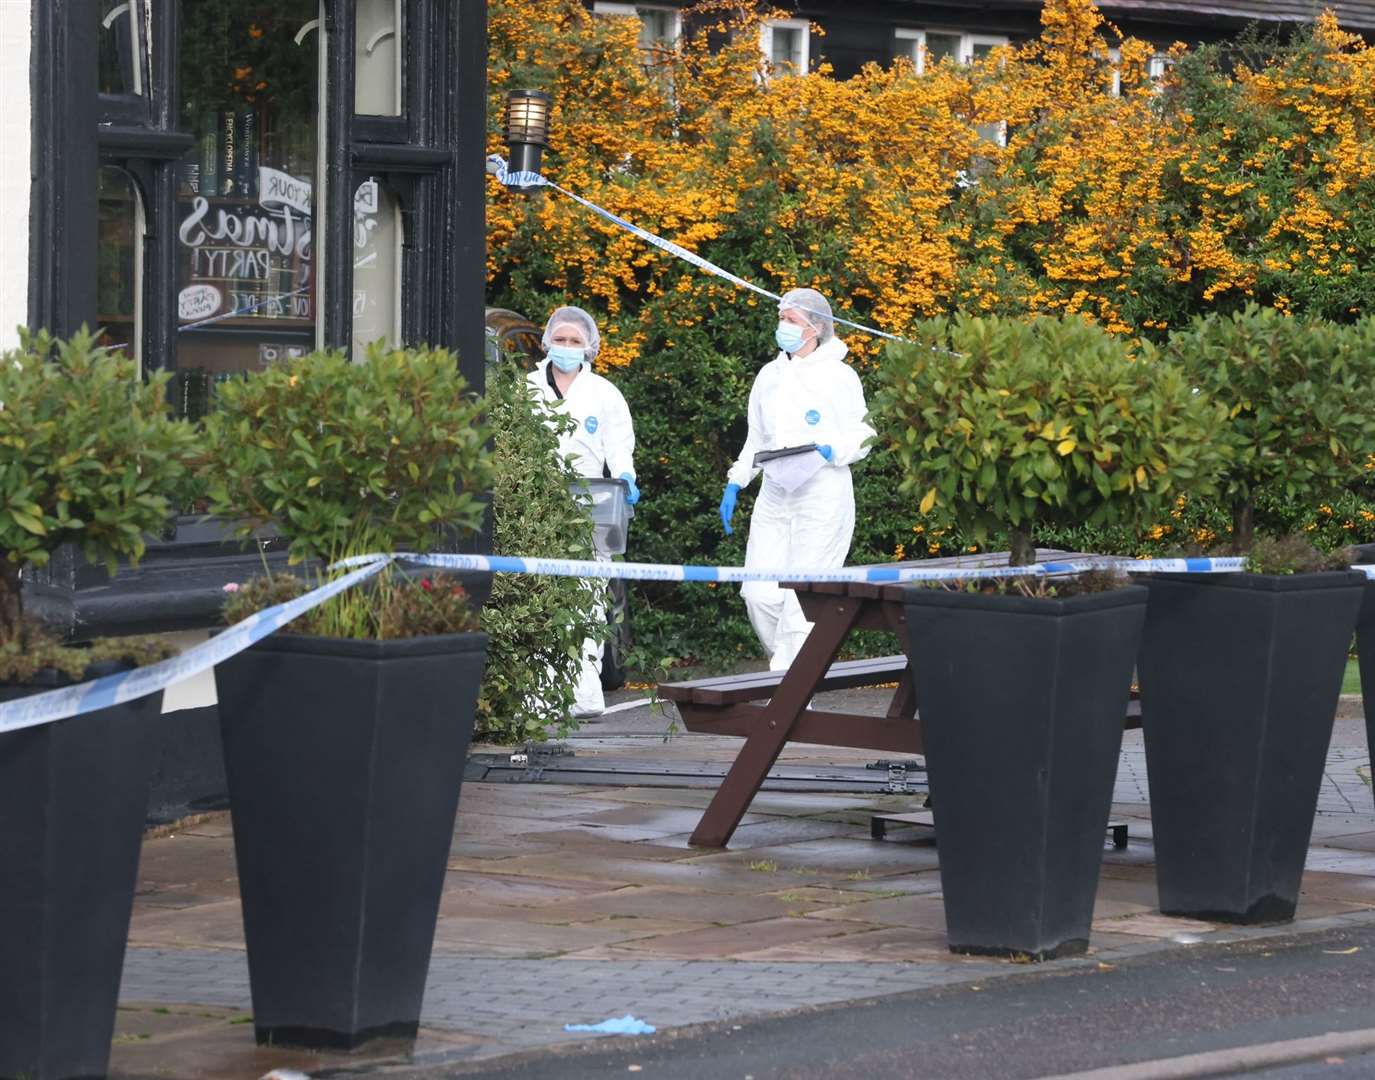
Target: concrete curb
1240	1059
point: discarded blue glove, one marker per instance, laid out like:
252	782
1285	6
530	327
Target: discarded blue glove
728	506
633	495
825	451
620	1025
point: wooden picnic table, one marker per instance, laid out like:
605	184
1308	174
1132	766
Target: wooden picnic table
769	709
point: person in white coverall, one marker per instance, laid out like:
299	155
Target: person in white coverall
804	516
603	443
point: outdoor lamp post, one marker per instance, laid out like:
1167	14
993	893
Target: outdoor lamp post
527	128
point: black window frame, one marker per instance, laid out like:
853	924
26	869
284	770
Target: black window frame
431	157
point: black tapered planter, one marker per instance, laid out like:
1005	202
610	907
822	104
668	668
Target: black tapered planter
344	760
1021	703
73	796
1240	675
1365	644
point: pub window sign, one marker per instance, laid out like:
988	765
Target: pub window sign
249	255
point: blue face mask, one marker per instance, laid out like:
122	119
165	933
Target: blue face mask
567	357
789	337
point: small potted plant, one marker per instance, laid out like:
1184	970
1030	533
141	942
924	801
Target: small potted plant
1240	673
345	742
88	455
1010	427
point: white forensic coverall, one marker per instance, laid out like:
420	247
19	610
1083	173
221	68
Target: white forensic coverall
818	399
604	437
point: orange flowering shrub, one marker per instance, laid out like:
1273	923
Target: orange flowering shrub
1139	208
1019	184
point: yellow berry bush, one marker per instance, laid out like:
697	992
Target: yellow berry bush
1018	185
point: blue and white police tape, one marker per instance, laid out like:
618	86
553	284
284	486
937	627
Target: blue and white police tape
498	167
110	690
882	575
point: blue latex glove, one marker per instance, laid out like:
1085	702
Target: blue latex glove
728	506
633	495
825	451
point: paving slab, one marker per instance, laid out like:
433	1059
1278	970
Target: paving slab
1361	841
514	890
505	847
603	842
568	903
498	937
907	944
666	902
924	912
731	941
695	872
218	925
921	881
760	834
855	856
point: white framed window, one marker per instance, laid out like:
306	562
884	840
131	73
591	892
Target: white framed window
660	25
1114	62
787	44
977	46
1158	67
929	46
996	132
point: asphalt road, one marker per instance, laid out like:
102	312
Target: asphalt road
1045	1023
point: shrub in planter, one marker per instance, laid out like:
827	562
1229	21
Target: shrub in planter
345	745
1300	404
536	626
1022	692
1018	426
1240	673
88	455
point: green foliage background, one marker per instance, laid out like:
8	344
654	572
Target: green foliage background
1299	394
536	625
1031	424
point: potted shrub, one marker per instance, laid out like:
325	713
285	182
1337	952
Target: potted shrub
1240	673
1009	427
345	743
88	455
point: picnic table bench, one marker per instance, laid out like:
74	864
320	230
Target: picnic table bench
771	708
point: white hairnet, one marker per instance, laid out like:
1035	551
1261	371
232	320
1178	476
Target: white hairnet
814	308
574	316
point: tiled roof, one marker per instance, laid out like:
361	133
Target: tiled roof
1353	14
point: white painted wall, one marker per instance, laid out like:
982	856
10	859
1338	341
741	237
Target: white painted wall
16	18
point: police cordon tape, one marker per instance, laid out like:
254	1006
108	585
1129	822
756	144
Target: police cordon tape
101	693
497	166
881	575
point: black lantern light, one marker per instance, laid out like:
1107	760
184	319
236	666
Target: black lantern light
527	128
